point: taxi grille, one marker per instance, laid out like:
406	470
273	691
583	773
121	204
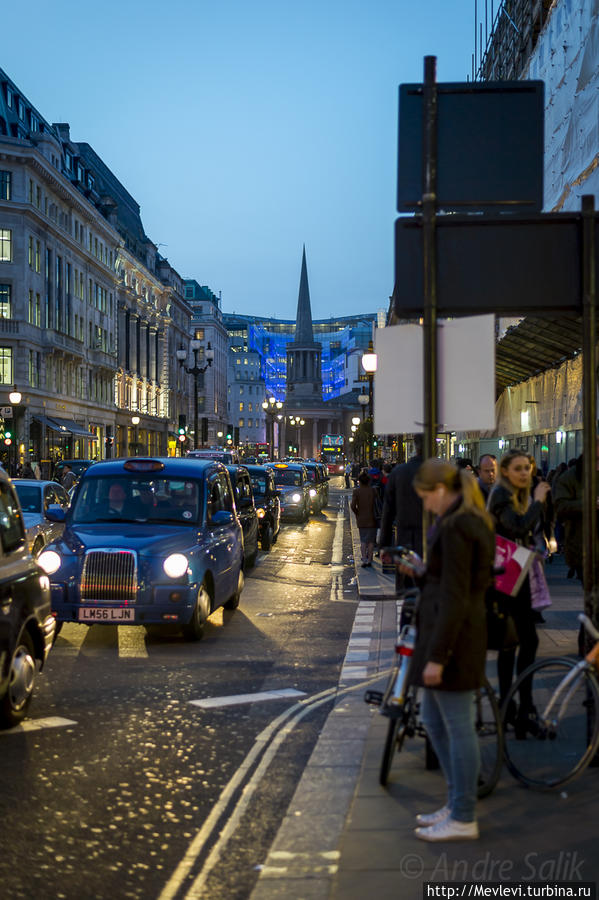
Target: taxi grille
109	575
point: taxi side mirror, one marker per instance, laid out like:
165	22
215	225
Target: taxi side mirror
222	517
55	513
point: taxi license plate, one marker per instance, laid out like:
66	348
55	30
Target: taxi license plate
110	614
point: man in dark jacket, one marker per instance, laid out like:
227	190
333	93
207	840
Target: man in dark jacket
567	500
402	507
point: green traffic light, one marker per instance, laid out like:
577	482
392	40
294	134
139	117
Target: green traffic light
8	434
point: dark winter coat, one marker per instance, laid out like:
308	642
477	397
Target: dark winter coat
362	503
523	528
567	500
402	507
451	616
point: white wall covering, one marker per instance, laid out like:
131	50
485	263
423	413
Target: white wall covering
566	58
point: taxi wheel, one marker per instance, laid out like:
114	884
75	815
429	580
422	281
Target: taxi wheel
267	538
21	679
233	601
194	630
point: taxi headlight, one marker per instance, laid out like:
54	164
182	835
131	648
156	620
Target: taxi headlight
50	561
312	492
260	512
175	565
296	498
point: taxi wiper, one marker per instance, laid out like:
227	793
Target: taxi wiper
117	519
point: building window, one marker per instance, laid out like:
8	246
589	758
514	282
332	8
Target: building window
5	185
5	245
5	298
21	109
6	365
38	257
30	252
9	97
34	368
241	423
241	407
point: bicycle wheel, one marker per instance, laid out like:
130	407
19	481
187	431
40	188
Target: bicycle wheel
559	742
487	720
396	733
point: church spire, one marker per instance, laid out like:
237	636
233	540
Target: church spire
303	320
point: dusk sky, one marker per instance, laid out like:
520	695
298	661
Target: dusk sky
246	129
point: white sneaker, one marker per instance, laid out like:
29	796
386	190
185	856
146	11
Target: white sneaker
432	818
449	830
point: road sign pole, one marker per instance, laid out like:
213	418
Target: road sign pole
589	409
429	213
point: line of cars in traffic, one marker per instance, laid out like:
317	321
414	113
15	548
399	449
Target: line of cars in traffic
156	542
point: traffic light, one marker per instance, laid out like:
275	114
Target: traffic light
182	425
204	429
8	438
236	438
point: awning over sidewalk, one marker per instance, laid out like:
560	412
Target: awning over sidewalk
66	426
534	345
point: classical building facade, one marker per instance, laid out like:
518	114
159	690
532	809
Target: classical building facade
58	289
90	313
207	328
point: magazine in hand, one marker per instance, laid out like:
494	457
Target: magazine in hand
515	560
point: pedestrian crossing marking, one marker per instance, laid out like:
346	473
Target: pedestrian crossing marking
237	699
39	724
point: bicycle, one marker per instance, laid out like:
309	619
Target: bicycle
560	737
401	705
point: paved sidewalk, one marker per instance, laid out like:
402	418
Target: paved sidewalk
346	838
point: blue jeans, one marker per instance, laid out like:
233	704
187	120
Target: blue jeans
448	717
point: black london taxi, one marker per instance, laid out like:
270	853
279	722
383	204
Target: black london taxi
27	626
268	504
246	510
292	482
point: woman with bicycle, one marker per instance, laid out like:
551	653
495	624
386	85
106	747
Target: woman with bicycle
451	646
519	515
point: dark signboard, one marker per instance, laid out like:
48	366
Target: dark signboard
510	265
489	146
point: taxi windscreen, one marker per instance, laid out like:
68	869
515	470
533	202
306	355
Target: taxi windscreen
125	498
287	477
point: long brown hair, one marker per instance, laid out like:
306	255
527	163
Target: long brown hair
520	496
436	471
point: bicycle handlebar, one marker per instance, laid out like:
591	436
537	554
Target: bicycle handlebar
588	626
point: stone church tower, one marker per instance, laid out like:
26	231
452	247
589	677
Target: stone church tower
304	375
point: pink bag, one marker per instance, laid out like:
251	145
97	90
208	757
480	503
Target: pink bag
539	590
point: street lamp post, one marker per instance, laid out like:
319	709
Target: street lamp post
298	422
14	398
271	409
135	423
369	364
195	371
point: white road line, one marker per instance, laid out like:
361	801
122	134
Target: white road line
235	699
38	724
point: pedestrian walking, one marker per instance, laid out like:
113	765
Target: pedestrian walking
347	473
520	517
363	505
451	644
27	470
487	474
68	478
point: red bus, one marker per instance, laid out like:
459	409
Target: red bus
332	453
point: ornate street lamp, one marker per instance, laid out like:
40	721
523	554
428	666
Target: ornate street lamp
272	408
135	422
14	398
195	371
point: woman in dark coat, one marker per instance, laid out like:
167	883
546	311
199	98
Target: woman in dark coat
519	516
449	657
363	504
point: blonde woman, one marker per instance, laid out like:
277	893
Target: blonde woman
520	517
451	646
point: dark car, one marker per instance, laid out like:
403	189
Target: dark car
268	505
319	486
292	482
27	626
246	510
150	542
35	498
